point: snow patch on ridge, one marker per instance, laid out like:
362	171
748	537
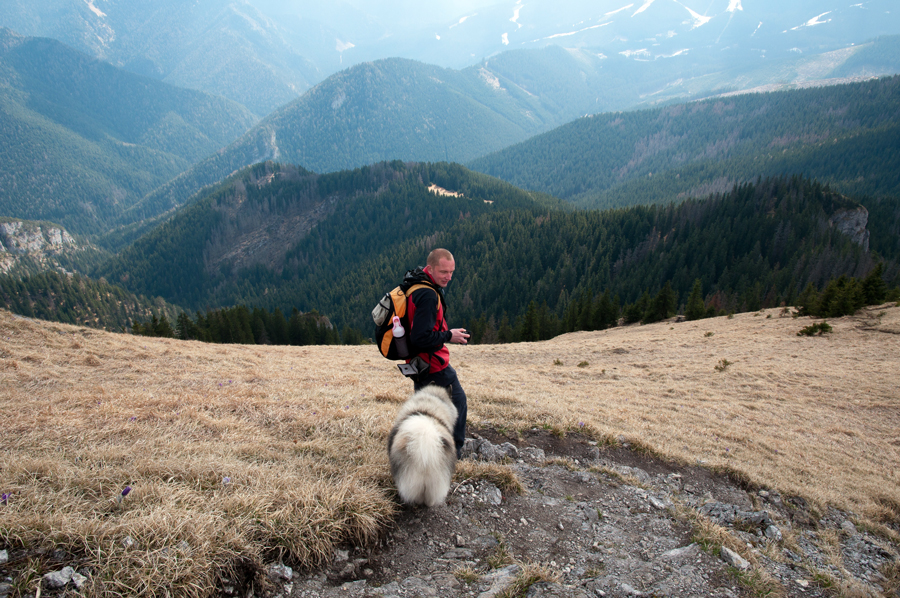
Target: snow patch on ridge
463	20
94	9
516	12
642	53
645	6
568	33
812	22
699	20
618	10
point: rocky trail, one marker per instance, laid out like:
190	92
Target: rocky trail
591	522
607	521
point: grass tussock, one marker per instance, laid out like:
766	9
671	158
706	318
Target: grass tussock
891	572
238	455
712	537
466	574
530	574
500	475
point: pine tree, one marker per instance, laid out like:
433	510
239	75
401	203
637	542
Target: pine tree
530	330
185	329
162	327
808	301
695	308
873	287
662	306
505	334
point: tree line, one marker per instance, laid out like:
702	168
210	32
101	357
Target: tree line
245	326
758	245
242	325
518	260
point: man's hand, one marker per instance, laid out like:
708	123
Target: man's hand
460	336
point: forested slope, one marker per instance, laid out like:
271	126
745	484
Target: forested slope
78	300
844	135
758	245
81	141
276	237
269	228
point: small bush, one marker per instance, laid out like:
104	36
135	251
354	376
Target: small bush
819	328
466	574
500	557
722	365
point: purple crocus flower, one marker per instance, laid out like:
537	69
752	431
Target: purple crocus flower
4	498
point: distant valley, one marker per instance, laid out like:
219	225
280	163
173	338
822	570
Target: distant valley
596	181
266	53
81	140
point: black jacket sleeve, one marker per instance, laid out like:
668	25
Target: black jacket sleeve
423	335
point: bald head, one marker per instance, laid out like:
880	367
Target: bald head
441	266
436	255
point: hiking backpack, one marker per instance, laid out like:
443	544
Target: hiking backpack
394	304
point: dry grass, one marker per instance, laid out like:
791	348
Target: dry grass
530	574
238	455
500	475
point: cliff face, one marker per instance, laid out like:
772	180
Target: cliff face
853	224
23	240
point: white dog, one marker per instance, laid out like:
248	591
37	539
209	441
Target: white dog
421	449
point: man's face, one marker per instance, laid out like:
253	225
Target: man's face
443	272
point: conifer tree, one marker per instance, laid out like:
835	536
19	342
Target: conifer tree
808	301
530	330
695	308
873	287
662	306
162	327
185	329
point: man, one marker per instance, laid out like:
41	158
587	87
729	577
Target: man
429	333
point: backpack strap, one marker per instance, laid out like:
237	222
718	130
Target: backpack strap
423	285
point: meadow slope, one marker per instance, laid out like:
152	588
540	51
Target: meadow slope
235	454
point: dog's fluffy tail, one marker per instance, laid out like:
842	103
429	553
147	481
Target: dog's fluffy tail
426	443
423	459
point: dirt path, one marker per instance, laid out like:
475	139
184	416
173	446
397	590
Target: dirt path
607	522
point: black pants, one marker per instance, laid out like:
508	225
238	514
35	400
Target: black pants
448	379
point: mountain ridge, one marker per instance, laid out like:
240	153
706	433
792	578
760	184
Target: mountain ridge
615	159
270	51
83	140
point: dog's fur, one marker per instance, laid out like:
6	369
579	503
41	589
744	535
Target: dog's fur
421	449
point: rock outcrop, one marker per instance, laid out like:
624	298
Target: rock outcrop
853	224
30	240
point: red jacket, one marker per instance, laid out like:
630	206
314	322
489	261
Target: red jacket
429	330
